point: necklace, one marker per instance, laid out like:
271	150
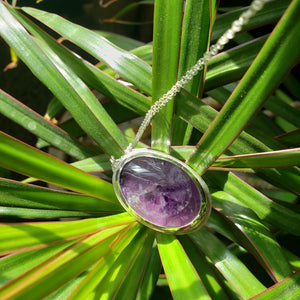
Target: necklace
157	189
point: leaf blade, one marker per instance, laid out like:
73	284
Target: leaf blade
184	282
66	85
274	159
166	43
36	124
32	235
240	278
29	161
128	65
236	113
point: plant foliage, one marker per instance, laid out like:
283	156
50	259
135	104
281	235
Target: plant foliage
236	124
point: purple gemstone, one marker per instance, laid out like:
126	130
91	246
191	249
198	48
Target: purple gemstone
160	191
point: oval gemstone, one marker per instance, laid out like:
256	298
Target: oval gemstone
160	192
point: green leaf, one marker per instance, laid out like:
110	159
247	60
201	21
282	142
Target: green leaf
292	84
90	74
134	277
103	130
166	45
260	121
273	62
53	108
16	194
99	163
45	214
279	107
293	260
36	124
236	273
121	61
194	40
121	41
286	289
51	274
217	223
67	87
194	43
127	243
230	65
183	279
65	290
252	235
290	138
267	210
26	236
144	52
150	276
126	10
275	159
200	116
271	12
13	266
115	277
205	270
29	161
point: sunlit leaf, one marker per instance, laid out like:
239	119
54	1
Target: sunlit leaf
129	240
165	65
27	236
51	274
29	161
184	282
124	63
31	121
236	273
276	159
286	289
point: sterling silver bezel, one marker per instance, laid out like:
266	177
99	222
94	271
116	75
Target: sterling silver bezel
205	208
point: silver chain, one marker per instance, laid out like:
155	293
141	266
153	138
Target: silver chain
236	27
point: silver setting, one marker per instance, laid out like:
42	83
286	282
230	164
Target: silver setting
205	208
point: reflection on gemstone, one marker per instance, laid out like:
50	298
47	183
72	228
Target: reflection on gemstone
160	192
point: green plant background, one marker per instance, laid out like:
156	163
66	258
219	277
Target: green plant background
63	233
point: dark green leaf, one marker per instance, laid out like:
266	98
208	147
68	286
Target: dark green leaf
273	62
231	65
268	211
194	43
114	278
204	269
134	277
90	74
17	194
252	235
14	265
271	12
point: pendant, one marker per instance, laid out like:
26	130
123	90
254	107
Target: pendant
161	192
